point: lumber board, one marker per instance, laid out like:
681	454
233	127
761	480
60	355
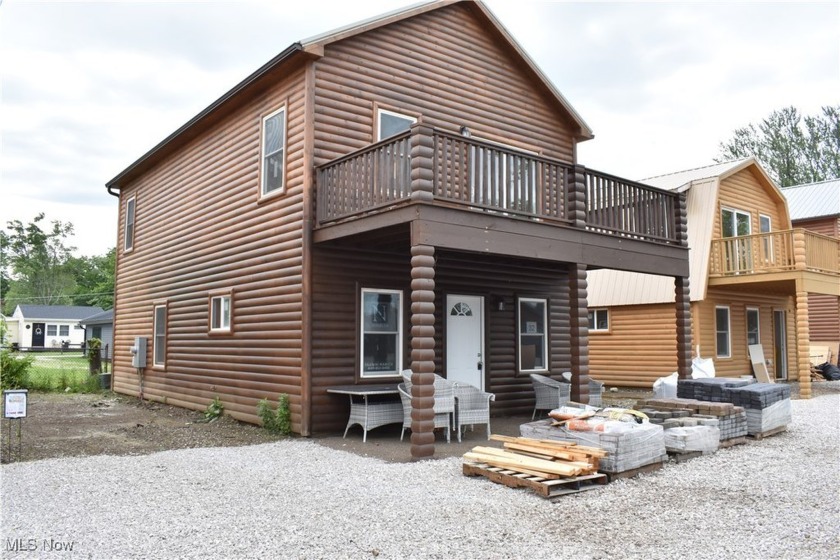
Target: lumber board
499	457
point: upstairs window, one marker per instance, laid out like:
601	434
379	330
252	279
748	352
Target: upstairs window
220	313
734	223
599	320
533	335
128	233
273	152
391	123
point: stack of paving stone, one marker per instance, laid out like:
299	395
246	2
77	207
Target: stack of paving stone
704	439
767	405
634	446
712	389
731	420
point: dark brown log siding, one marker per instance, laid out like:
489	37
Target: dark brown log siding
200	226
444	67
339	275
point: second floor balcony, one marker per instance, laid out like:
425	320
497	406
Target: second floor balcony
426	165
778	254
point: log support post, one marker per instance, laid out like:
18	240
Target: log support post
684	343
579	311
422	351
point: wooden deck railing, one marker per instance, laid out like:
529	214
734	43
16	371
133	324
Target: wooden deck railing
479	175
777	251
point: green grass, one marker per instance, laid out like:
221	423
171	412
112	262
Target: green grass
60	372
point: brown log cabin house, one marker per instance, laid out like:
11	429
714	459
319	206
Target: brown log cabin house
816	207
400	193
751	274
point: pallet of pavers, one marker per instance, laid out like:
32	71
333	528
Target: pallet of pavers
637	448
730	420
766	405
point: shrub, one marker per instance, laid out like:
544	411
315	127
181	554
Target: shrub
14	370
278	421
214	410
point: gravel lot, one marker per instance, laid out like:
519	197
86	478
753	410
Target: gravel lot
774	498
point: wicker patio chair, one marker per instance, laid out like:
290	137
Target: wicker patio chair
473	407
444	406
596	388
549	393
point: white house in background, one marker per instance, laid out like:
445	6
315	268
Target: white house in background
48	326
9	333
101	326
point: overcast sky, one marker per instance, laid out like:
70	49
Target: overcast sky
89	87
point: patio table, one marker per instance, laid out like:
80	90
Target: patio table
369	412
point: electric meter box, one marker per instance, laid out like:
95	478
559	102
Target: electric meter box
138	352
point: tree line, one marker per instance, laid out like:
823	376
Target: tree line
38	266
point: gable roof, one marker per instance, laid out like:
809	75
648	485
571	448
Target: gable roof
57	312
314	48
813	200
104	318
702	187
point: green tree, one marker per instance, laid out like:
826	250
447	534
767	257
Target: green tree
794	150
34	260
94	278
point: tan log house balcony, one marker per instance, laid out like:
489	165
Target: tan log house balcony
778	255
444	169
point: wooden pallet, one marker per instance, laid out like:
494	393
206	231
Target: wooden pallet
732	441
683	456
633	472
768	433
540	486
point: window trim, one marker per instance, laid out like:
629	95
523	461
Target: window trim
593	325
747	312
519	334
211	297
47	330
60	327
728	332
263	155
155	336
130	224
380	111
400	334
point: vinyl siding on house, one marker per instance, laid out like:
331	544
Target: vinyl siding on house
201	226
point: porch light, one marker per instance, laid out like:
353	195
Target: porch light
499	302
465	132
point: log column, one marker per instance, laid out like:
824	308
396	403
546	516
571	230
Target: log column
577	196
422	351
422	163
684	342
682	296
803	330
579	315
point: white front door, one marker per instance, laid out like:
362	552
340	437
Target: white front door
465	339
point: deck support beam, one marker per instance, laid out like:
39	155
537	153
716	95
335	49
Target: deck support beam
579	315
422	351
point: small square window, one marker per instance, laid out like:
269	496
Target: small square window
220	312
52	330
64	330
599	320
391	123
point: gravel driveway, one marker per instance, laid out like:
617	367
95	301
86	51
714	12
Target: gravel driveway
774	498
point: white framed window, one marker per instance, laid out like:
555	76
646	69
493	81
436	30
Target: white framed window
220	313
723	346
64	330
533	334
382	333
390	123
734	223
128	231
753	326
599	320
765	225
159	356
52	330
273	152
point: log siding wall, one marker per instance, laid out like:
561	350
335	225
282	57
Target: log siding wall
743	191
340	274
443	67
823	309
201	226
